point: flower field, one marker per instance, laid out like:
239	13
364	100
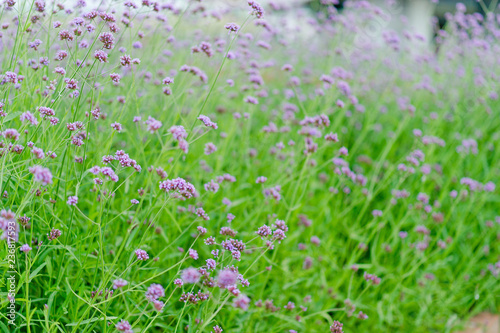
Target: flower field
235	166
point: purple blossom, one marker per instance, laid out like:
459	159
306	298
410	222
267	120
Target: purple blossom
153	124
178	132
193	254
42	175
119	283
261	180
211	264
101	56
141	255
154	292
179	185
257	9
190	275
211	186
264	231
226	278
210	148
207	121
251	100
232	27
242	302
117	127
72	200
123	326
54	234
25	248
336	327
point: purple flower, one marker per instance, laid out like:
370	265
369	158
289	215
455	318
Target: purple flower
273	192
13	134
141	254
336	327
193	254
489	187
29	117
210	148
107	39
211	264
371	277
167	81
54	234
207	121
117	127
202	230
261	180
422	230
154	292
226	278
25	248
72	200
267	46
119	283
201	213
125	60
37	151
46	111
332	137
190	275
60	55
65	35
278	235
158	305
211	186
123	326
184	188
257	9
232	27
264	231
251	100
42	175
362	315
178	132
422	197
242	302
343	151
153	124
101	55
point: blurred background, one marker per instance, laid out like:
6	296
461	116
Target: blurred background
418	16
414	15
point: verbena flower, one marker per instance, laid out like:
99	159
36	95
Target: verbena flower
141	255
190	275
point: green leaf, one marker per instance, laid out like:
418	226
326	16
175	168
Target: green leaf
12	115
35	272
91	320
4	328
48	261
